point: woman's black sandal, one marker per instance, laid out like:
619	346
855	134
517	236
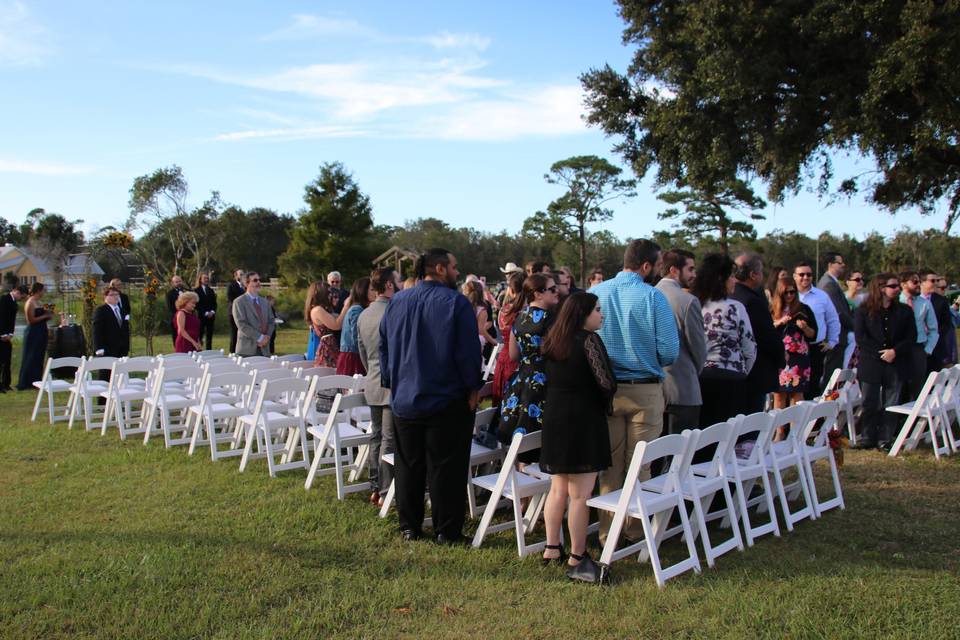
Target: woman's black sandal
560	559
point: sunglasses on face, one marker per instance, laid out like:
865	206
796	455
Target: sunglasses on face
805	275
254	279
552	289
790	292
854	279
891	286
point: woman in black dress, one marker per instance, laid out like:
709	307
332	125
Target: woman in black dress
34	338
798	328
576	443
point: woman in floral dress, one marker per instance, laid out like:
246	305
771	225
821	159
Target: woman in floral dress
523	407
798	328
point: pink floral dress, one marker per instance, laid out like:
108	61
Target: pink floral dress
795	375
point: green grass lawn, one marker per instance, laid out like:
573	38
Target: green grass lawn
109	539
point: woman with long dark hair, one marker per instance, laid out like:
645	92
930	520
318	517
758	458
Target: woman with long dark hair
886	331
731	348
512	303
348	360
798	328
323	322
34	338
523	407
576	441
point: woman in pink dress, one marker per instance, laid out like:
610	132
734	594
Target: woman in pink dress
187	324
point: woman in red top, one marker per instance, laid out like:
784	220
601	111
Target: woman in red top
512	303
187	324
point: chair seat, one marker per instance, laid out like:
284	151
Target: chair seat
124	395
221	410
350	436
653	501
177	401
904	408
527	485
480	454
54	385
273	420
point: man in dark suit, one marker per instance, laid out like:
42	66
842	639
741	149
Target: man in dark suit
206	308
830	284
765	373
8	321
941	309
125	307
176	288
111	330
234	290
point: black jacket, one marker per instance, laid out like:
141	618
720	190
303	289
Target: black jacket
8	314
941	309
108	334
125	307
764	375
901	336
208	300
172	296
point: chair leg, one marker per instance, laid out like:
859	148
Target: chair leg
36	405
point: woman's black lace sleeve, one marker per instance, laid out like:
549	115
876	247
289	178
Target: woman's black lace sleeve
600	365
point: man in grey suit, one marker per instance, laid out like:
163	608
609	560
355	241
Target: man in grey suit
254	319
681	387
830	283
386	282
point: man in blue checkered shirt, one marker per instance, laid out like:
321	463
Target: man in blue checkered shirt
640	334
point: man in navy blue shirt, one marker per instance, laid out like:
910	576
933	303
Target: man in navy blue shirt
430	360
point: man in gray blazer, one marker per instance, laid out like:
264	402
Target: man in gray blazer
681	387
385	281
254	319
830	283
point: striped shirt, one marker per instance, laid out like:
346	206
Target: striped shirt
638	330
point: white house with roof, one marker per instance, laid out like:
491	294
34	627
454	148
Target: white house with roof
30	268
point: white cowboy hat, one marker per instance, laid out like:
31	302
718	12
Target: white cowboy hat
510	267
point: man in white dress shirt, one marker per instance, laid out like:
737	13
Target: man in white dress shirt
828	324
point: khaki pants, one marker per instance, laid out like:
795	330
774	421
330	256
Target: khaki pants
637	417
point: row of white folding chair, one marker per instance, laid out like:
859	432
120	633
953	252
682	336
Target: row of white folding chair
279	430
293	358
341	436
48	387
222	401
928	417
173	388
125	395
85	388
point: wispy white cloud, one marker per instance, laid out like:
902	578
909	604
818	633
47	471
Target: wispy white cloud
23	41
311	26
292	133
447	40
44	168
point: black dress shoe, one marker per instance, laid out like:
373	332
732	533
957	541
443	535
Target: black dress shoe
585	571
409	535
883	447
450	541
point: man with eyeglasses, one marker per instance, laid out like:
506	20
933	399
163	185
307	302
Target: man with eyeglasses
640	334
830	284
254	318
928	334
941	309
828	324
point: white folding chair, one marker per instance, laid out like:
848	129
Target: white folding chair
491	364
122	393
174	389
291	358
86	388
480	455
334	436
306	372
745	468
652	502
208	354
48	387
923	415
259	362
814	443
950	398
514	485
786	454
268	429
215	418
844	383
700	482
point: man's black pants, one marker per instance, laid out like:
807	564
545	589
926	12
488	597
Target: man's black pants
206	332
815	387
6	356
434	451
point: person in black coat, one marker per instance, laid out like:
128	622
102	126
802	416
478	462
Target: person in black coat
886	331
941	309
111	330
176	288
125	307
765	373
206	308
9	305
234	290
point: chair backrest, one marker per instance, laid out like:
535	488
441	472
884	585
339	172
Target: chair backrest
249	361
719	436
491	363
821	418
220	365
482	419
293	357
123	368
174	356
520	443
761	424
142	360
239	381
337	382
792	418
66	362
673	446
101	363
308	372
287	391
949	391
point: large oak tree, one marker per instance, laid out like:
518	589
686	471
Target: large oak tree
725	90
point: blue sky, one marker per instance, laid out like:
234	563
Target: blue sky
445	109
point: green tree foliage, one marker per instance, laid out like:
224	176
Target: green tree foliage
706	212
53	238
251	240
591	182
332	232
9	233
719	91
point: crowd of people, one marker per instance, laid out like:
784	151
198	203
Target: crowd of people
667	344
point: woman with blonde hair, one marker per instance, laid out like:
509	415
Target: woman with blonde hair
186	323
473	290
